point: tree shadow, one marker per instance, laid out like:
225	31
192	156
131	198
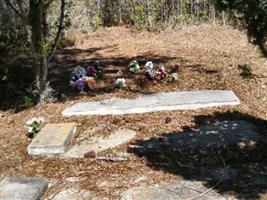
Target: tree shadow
222	148
112	67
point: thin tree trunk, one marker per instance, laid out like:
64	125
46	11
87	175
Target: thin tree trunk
40	62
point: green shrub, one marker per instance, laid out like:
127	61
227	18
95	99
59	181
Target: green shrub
97	20
139	16
253	14
28	102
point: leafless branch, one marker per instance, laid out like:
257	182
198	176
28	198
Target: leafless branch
60	29
9	4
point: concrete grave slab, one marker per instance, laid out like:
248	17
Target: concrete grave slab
14	188
97	145
155	102
53	139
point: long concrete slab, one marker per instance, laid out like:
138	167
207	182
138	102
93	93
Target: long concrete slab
15	188
155	102
53	139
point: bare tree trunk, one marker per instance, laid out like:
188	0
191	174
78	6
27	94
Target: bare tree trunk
40	62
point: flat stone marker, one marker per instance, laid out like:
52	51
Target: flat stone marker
97	145
155	102
173	191
53	139
14	188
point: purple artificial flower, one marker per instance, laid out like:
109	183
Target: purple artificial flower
91	70
80	84
177	66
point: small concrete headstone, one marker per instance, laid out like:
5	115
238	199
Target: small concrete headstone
155	102
14	188
53	139
99	144
73	194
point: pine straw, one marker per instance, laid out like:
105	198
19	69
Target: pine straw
209	55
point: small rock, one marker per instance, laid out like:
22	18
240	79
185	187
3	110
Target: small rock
90	154
139	179
107	184
73	194
100	198
168	120
72	179
52	182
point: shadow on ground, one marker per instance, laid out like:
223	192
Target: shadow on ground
113	67
12	97
223	148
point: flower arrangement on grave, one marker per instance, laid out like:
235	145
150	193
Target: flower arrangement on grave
175	68
91	71
77	73
174	76
174	72
149	70
120	83
34	125
82	79
91	83
80	83
161	73
134	67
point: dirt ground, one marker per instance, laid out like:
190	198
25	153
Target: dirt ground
212	57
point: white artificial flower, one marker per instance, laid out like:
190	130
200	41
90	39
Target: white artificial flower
40	120
174	76
162	68
132	70
149	65
30	129
120	82
29	122
35	119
